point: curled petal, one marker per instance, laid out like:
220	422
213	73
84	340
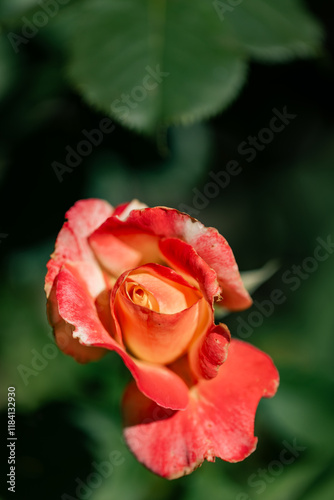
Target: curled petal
163	222
219	421
63	333
215	250
183	257
158	312
209	352
122	211
77	308
72	245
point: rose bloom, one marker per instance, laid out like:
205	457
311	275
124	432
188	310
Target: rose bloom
143	282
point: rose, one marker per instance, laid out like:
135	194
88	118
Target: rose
142	282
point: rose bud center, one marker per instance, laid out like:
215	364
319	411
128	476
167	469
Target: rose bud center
140	296
159	313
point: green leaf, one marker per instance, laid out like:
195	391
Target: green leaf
199	52
274	31
126	42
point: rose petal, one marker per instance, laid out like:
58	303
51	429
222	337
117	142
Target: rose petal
215	250
113	254
219	421
63	333
72	246
163	336
183	257
209	352
171	291
122	211
77	308
208	243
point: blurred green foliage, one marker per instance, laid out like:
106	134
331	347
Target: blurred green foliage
163	62
68	415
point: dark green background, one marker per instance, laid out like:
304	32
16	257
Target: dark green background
68	415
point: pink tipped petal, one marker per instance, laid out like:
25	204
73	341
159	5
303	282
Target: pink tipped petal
72	245
207	242
209	352
182	257
63	333
76	308
86	215
91	275
215	250
219	421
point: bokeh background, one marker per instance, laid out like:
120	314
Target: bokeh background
275	210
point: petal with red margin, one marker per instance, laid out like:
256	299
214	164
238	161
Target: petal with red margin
77	308
219	421
209	352
215	250
208	243
63	333
172	292
158	336
183	257
153	336
72	245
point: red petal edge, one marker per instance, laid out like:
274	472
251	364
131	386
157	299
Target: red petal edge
72	245
207	242
183	257
219	421
77	308
209	352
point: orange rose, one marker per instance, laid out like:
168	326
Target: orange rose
142	282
